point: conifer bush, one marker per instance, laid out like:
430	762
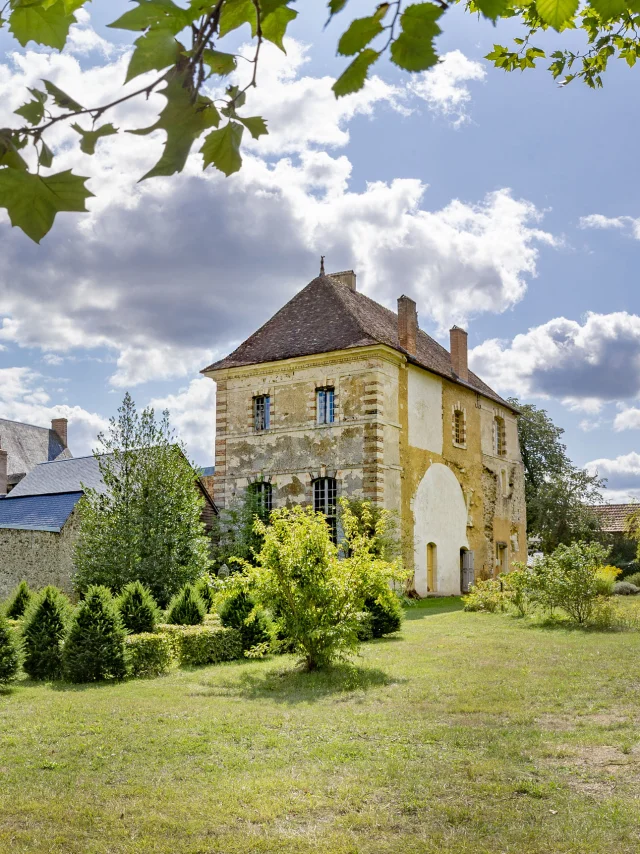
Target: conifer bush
46	624
186	608
205	591
138	610
386	613
95	646
18	602
240	611
9	655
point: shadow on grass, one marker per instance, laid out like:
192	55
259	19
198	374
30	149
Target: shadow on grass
294	685
433	607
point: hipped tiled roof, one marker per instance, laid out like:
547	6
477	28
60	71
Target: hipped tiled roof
28	445
327	315
614	516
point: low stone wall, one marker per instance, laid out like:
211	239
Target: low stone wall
39	557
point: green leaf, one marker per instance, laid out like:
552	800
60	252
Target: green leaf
149	13
45	158
9	155
222	148
183	121
493	9
33	201
353	77
255	125
91	137
33	111
234	14
557	12
336	6
358	35
156	49
71	6
46	26
274	25
219	63
60	98
413	50
609	9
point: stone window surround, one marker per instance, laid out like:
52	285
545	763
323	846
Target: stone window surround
457	407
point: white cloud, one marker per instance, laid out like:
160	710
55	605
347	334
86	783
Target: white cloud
582	364
192	414
628	419
444	87
622	474
623	223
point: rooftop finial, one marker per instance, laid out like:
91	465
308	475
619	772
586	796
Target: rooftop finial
322	265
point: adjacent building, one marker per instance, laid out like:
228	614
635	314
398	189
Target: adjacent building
336	395
24	446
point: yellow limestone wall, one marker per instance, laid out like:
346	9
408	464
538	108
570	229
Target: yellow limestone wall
392	442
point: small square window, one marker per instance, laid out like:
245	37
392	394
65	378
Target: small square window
261	412
325	405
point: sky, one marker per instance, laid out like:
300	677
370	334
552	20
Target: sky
500	202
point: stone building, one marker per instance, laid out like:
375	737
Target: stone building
338	396
24	446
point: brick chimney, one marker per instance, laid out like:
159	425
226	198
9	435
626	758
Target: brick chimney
3	471
407	324
346	277
458	339
59	427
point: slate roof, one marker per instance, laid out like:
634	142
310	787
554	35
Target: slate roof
327	315
66	475
38	512
614	516
28	445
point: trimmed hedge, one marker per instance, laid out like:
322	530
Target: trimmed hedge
150	654
196	645
18	602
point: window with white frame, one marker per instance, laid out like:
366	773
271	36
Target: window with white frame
325	406
261	412
325	501
263	493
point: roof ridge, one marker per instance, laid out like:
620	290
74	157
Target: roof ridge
11	497
26	424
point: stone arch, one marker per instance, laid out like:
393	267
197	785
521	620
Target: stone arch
440	519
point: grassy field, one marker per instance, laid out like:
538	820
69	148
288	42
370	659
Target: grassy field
468	733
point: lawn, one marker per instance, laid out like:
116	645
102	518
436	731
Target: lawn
467	733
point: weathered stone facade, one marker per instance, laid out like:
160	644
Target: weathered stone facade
39	557
439	449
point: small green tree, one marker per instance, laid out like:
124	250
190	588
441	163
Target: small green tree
241	611
9	655
18	601
205	590
234	536
568	579
95	647
145	525
317	596
45	628
138	609
386	613
186	608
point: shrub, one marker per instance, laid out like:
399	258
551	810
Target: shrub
46	624
519	588
18	601
95	649
605	578
625	588
204	589
138	609
568	579
240	611
633	579
488	595
386	613
196	645
150	654
9	655
186	608
365	627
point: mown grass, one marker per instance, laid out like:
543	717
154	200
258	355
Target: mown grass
467	733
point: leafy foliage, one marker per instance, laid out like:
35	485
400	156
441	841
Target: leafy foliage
45	628
386	613
559	495
18	601
180	42
186	608
149	654
9	655
198	645
94	649
205	589
624	588
316	596
146	526
240	611
233	536
485	595
138	609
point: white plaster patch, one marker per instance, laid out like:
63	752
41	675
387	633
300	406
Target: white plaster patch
425	410
440	517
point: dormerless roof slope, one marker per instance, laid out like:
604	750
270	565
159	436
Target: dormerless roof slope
613	517
28	445
327	315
